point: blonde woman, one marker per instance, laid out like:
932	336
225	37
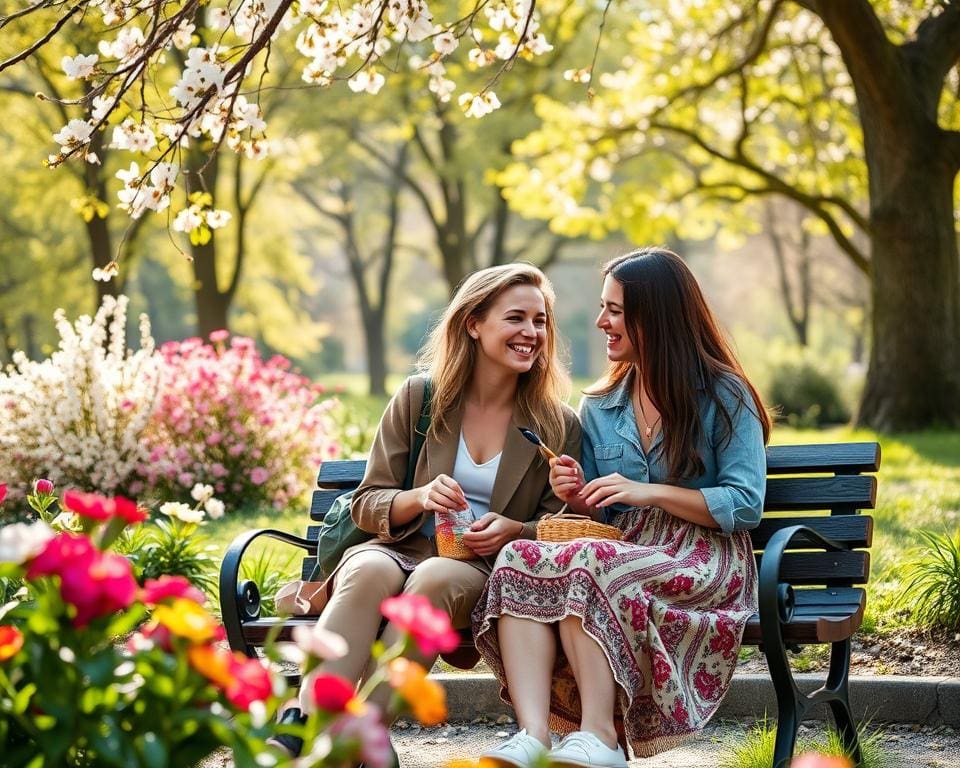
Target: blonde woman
493	366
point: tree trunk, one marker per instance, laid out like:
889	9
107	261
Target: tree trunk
212	304
913	380
376	348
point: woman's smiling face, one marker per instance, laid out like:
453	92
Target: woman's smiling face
514	330
611	322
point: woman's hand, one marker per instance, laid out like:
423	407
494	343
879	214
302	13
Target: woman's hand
616	489
442	493
488	534
566	477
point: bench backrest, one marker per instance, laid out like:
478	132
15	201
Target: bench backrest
821	486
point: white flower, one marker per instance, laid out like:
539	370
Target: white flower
480	57
181	512
442	87
248	115
201	492
79	67
107	273
92	158
445	43
164	175
188	219
217	218
73	134
184	35
21	542
478	106
318	642
366	80
214	508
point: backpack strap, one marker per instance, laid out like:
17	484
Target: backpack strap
419	433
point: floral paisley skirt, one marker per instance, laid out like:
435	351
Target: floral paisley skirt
667	604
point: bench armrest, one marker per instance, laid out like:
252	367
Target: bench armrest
240	603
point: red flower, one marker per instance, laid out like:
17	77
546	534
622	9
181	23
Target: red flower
128	510
170	587
724	641
104	587
707	685
11	641
566	555
430	627
62	550
638	612
331	693
661	670
529	551
89	505
677	585
251	682
96	507
3	492
43	486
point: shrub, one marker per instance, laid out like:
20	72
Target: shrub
72	694
805	396
252	429
933	581
77	417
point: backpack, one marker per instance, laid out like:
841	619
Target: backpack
338	531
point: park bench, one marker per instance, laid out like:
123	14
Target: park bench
812	556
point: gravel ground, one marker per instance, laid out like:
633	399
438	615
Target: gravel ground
906	746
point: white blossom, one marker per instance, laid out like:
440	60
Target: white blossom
480	105
217	218
445	43
79	67
21	542
214	508
182	512
201	492
365	80
73	134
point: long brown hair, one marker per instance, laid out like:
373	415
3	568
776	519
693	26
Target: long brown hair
449	355
681	348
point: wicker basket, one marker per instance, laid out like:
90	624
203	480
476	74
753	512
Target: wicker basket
567	527
451	545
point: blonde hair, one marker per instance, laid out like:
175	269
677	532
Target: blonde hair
449	354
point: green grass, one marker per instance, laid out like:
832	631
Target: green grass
754	748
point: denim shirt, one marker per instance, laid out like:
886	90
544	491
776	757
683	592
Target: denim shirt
735	469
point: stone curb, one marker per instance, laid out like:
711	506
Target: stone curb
882	698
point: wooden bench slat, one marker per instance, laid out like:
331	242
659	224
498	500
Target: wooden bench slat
856	531
341	474
839	568
803	494
836	458
320	502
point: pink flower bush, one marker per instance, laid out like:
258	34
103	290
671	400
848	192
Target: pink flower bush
252	429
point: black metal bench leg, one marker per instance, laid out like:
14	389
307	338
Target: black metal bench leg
788	722
838	681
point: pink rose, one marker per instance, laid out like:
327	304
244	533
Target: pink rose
219	335
170	587
429	627
43	486
259	475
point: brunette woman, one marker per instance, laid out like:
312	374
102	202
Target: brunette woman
636	640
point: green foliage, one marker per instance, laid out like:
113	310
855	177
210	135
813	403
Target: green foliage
352	429
754	749
805	396
269	570
174	548
933	580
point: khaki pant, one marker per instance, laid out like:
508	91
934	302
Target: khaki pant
366	579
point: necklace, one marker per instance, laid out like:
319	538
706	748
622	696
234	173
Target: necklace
647	428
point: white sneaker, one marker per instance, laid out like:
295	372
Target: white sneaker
584	750
519	751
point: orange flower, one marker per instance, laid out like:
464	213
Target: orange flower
425	697
816	760
11	641
184	618
213	664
